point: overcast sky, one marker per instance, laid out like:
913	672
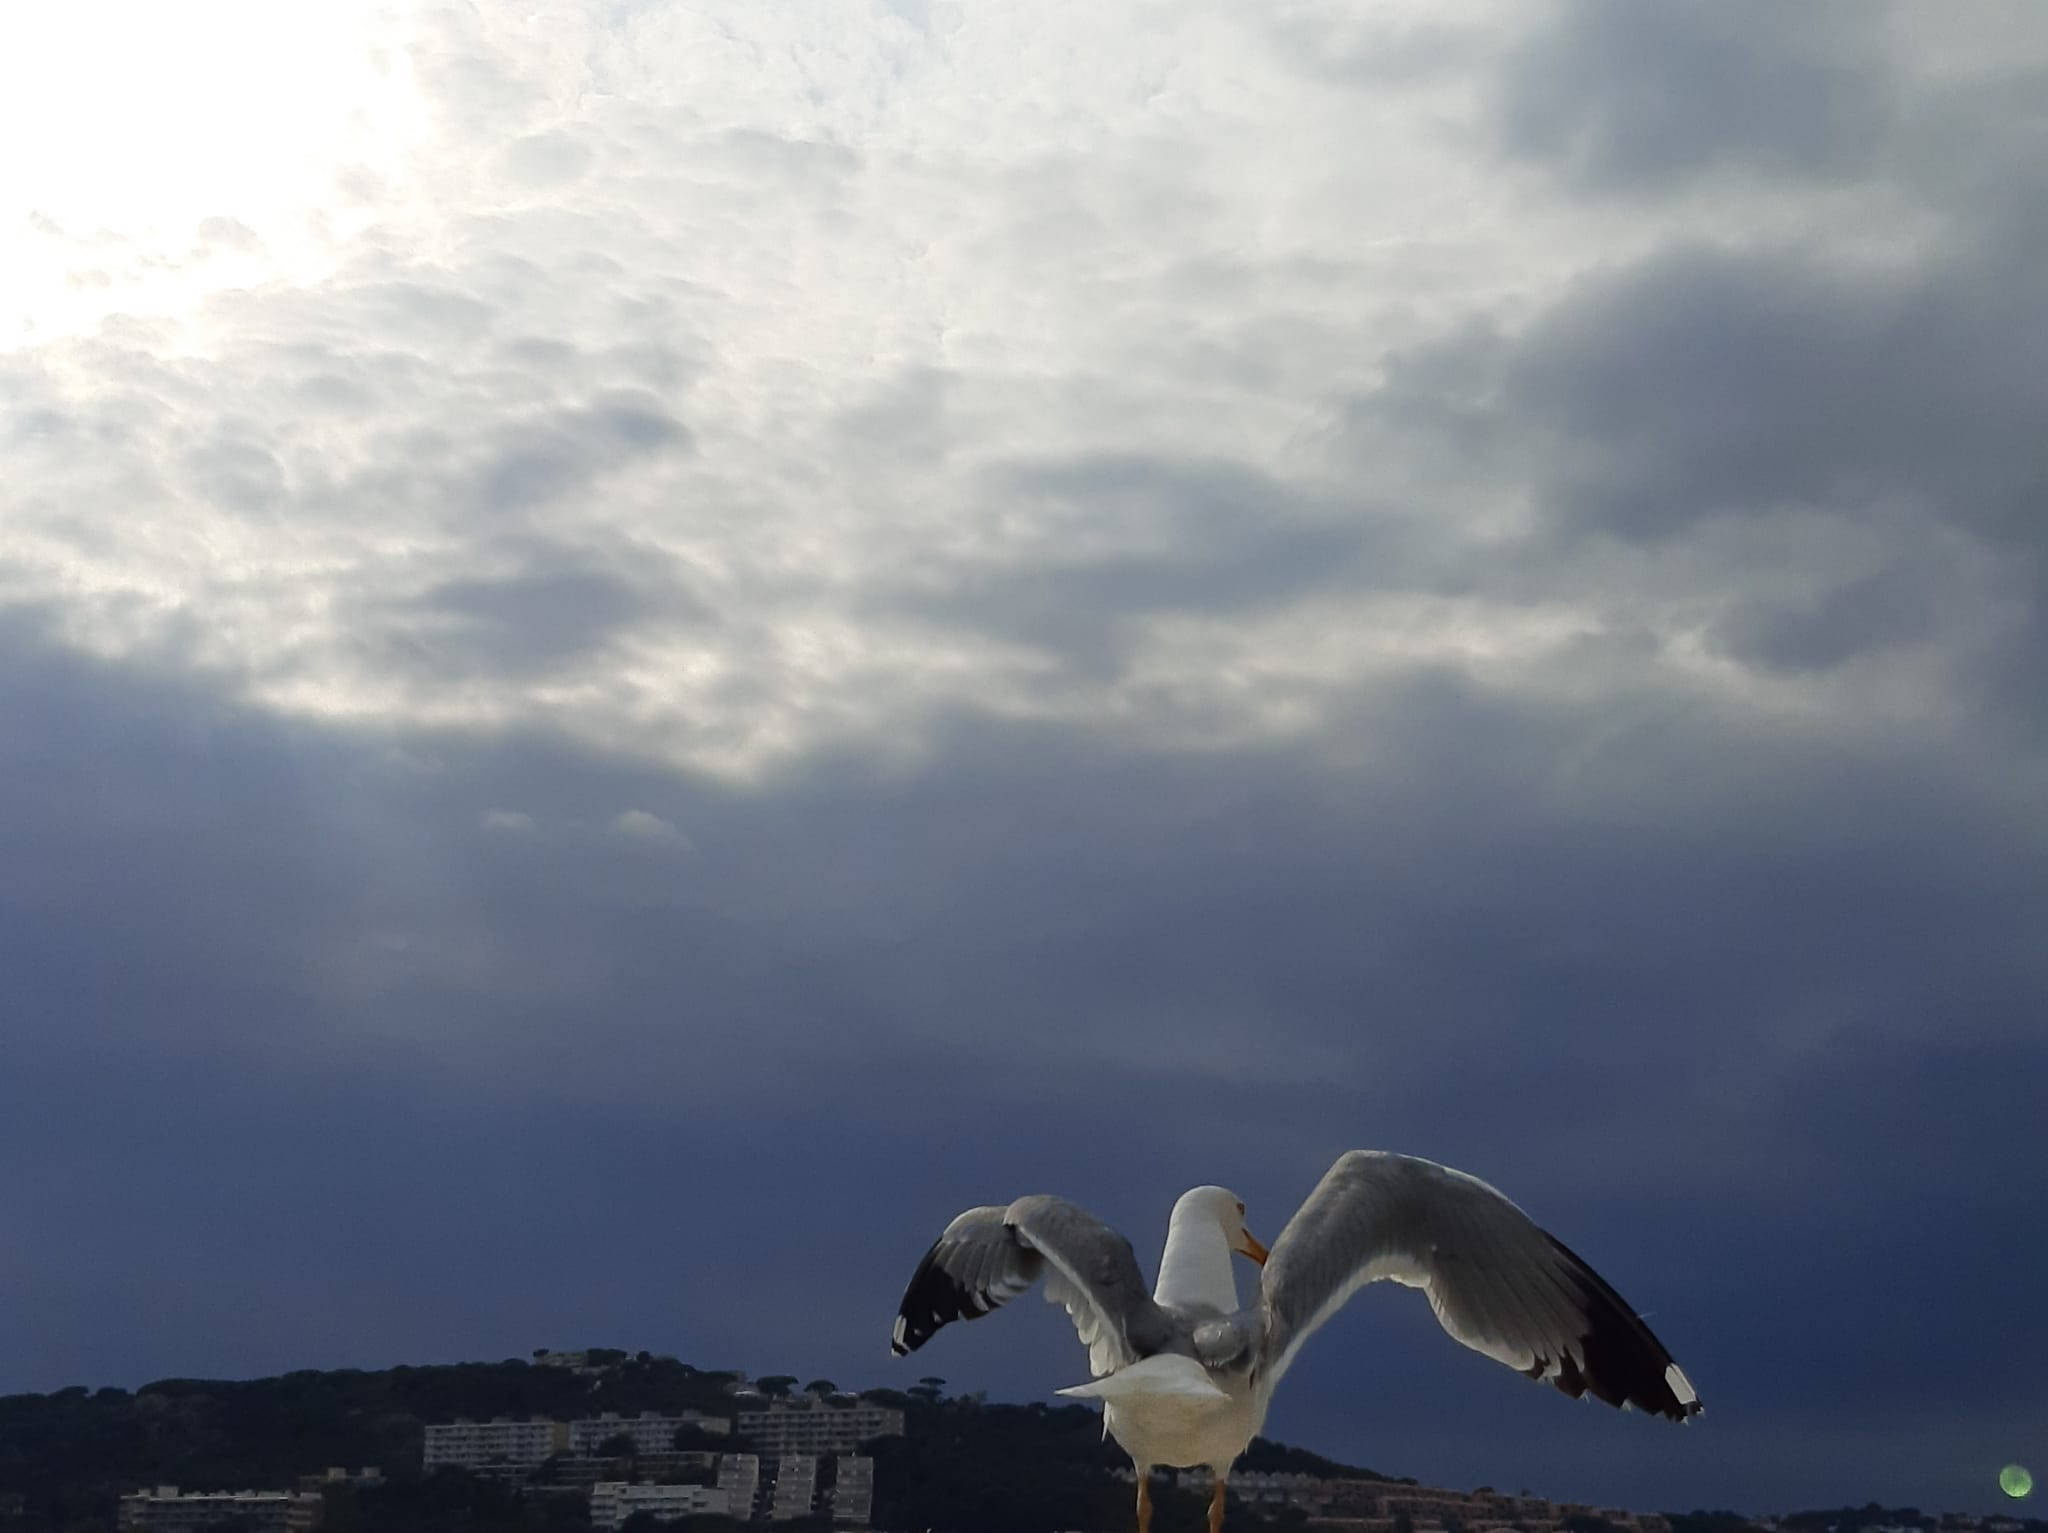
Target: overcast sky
646	646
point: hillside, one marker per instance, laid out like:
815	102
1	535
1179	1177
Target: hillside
962	1463
65	1458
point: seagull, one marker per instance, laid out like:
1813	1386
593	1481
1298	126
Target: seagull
1185	1373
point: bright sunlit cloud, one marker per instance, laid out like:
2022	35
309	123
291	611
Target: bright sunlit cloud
152	153
725	383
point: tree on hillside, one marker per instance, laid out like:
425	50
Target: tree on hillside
1010	1469
1701	1520
821	1387
777	1385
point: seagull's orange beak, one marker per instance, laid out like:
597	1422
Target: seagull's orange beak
1253	1249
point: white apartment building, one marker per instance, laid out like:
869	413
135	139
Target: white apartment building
651	1433
369	1474
809	1427
793	1488
1262	1487
162	1507
739	1476
613	1501
571	1470
852	1497
502	1443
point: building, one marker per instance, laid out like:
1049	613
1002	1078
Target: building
502	1444
651	1433
792	1487
739	1476
690	1463
613	1501
369	1475
310	1505
507	1445
163	1507
1355	1505
851	1499
1261	1487
808	1427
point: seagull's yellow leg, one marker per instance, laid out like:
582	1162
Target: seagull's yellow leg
1216	1507
1144	1501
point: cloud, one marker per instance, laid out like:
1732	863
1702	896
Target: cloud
1674	986
1708	382
1106	544
651	829
648	367
520	623
1637	100
1793	462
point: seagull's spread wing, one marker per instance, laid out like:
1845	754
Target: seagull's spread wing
1497	1283
988	1256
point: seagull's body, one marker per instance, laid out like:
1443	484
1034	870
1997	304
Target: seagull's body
1186	1372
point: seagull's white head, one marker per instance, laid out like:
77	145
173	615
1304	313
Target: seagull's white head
1226	1208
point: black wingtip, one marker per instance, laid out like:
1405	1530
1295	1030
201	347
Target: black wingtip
933	1299
1624	1364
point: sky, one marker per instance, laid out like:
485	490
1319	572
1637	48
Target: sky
645	647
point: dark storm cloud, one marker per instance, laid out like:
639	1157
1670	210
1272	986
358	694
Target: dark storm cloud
566	452
1120	539
295	1023
1837	622
1711	381
522	623
1852	452
1640	98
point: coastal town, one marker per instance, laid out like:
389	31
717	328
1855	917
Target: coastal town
762	1452
800	1464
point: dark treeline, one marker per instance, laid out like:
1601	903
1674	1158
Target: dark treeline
1841	1519
65	1458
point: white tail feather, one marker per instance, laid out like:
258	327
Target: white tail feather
1166	1374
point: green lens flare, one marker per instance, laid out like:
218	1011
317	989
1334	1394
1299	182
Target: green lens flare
2014	1480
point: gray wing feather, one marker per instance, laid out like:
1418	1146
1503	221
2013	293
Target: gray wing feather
1496	1281
988	1256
